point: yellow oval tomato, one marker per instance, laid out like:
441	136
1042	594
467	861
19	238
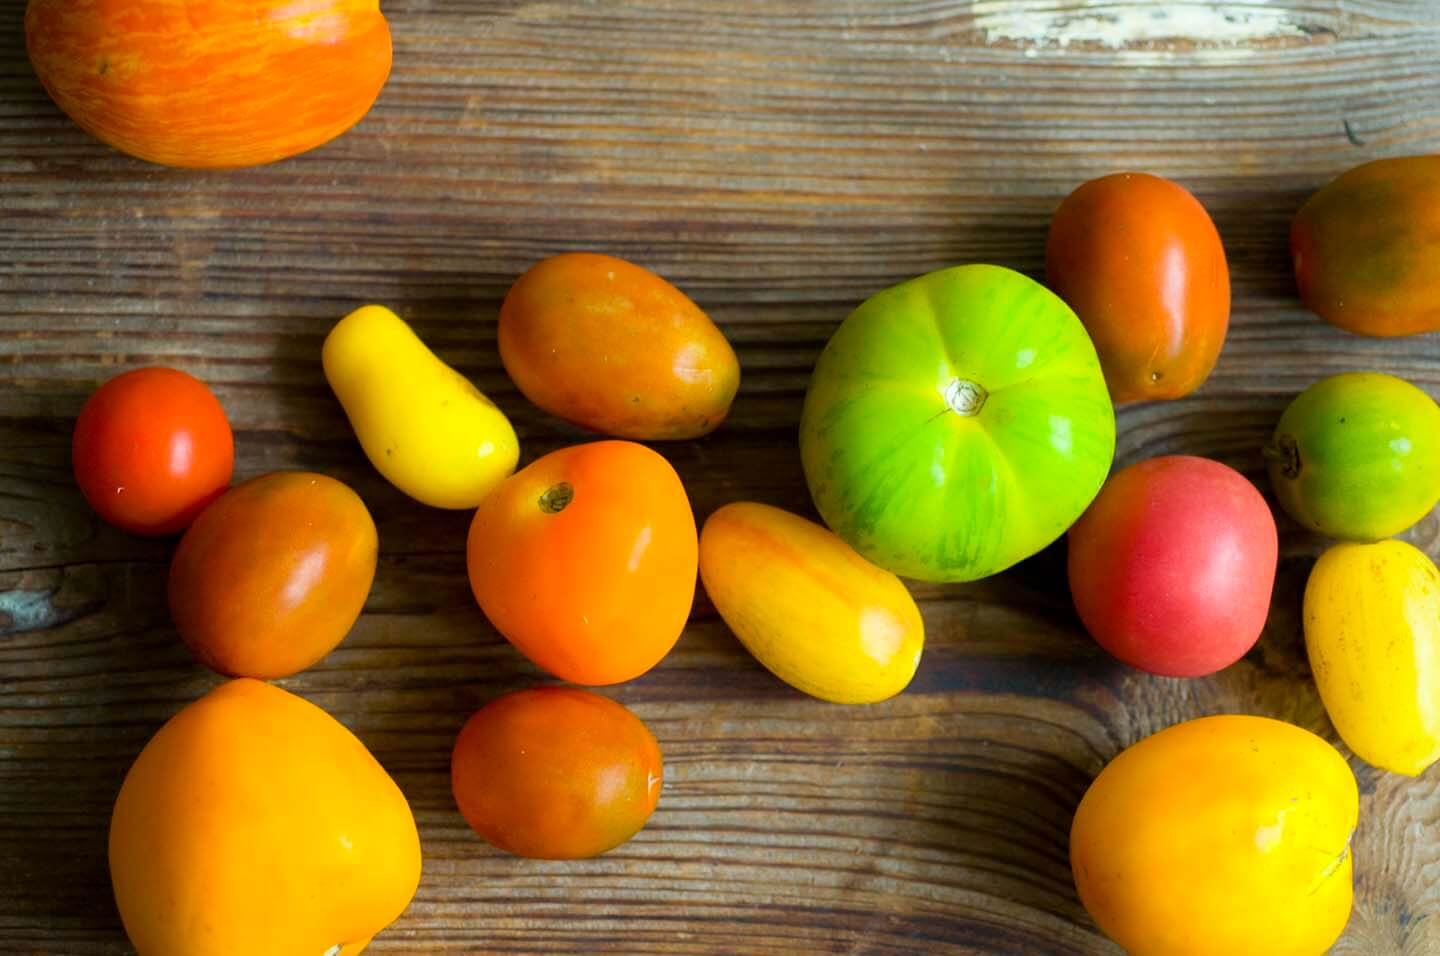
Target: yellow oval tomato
1224	835
613	347
254	822
422	424
813	611
273	574
1372	628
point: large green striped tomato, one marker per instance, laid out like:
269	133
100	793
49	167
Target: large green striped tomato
956	424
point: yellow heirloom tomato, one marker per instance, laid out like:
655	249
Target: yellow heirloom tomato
1223	836
423	425
1372	628
255	824
818	615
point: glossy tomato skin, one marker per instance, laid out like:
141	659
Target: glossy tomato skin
556	773
1356	456
613	347
1172	567
210	83
813	611
254	822
586	560
1141	263
1372	631
956	424
151	449
1366	248
273	575
1227	834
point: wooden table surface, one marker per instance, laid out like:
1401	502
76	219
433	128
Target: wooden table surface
779	160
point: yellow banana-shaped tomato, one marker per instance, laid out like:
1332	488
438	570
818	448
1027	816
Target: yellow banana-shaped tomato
818	615
1223	836
254	823
1372	627
424	426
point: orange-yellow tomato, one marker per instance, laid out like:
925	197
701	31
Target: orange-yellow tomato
586	560
210	83
274	574
254	823
555	773
812	610
606	344
1224	835
1140	261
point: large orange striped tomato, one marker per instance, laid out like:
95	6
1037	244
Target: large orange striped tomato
254	822
211	83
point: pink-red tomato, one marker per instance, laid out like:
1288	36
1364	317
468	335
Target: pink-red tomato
1172	566
556	773
151	449
274	574
1140	261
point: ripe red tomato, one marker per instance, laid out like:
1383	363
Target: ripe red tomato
1139	260
273	575
152	448
586	560
1172	566
555	773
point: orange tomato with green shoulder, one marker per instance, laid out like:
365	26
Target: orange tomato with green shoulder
613	347
210	83
812	610
586	560
253	822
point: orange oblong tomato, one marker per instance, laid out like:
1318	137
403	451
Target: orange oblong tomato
253	822
1141	263
613	347
555	773
586	560
272	576
210	83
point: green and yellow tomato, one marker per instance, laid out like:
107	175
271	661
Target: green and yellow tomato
1357	456
956	424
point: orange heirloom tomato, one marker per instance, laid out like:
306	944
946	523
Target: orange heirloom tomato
254	823
1139	260
273	575
555	773
586	560
1366	248
608	345
152	448
210	83
811	609
1223	836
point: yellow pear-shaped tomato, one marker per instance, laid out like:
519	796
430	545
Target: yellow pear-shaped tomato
1372	627
1223	836
422	424
818	615
254	823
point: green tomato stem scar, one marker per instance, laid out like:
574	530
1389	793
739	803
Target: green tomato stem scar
1285	452
965	397
556	497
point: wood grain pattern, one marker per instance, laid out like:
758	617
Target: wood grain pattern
779	160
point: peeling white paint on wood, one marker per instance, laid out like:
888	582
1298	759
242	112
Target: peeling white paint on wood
1118	26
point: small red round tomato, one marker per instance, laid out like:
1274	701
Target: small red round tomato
586	560
1140	261
555	773
274	574
151	449
1172	566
